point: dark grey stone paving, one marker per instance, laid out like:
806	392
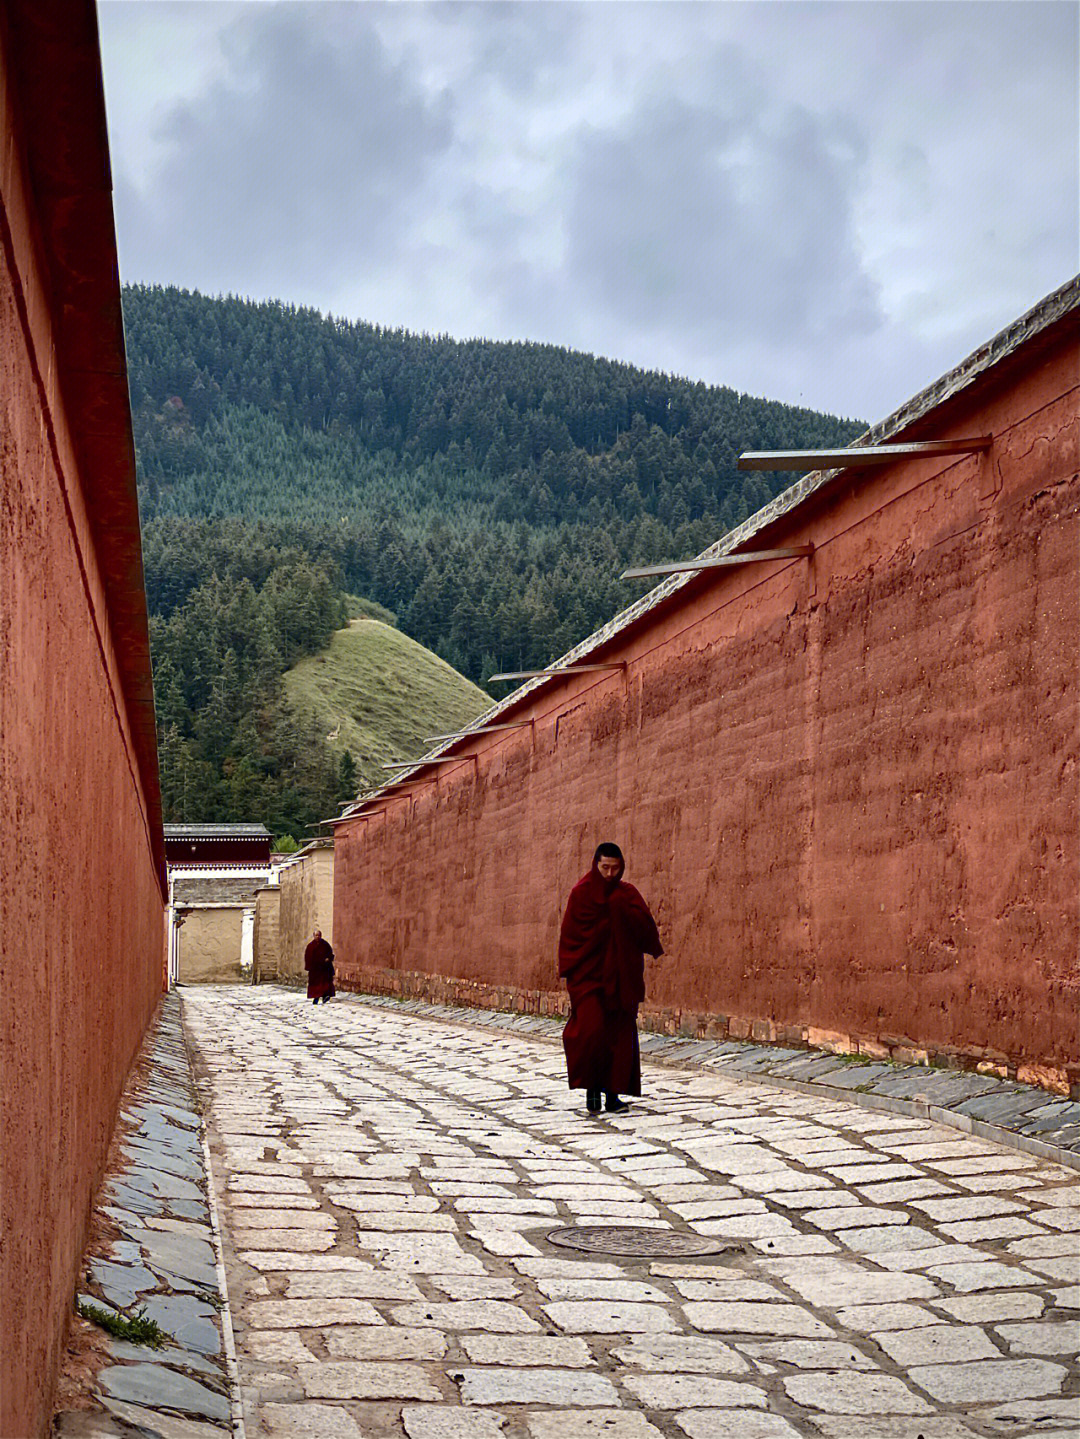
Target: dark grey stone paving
156	1387
1020	1114
163	1263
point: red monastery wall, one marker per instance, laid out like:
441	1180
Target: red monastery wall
81	910
847	786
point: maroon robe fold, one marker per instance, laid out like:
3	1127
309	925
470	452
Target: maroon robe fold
606	932
319	963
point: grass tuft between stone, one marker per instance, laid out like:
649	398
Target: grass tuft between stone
136	1330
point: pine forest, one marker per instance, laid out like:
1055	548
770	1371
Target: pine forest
486	494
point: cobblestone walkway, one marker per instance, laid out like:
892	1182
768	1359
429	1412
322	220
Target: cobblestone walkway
999	1109
387	1185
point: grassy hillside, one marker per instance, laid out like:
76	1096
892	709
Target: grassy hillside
376	693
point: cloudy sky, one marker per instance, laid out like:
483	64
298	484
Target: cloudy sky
828	204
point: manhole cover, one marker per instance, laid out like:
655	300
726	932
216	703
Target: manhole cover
631	1240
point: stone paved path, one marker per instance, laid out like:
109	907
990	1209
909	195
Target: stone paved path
387	1184
992	1106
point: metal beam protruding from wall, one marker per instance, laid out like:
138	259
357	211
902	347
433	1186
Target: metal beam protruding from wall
807	460
718	562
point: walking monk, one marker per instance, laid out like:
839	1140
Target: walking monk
606	932
319	963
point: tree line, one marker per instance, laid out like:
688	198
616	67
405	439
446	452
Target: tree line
488	494
230	611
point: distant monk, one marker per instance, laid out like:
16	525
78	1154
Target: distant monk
319	963
606	932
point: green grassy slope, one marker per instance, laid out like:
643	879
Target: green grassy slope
378	693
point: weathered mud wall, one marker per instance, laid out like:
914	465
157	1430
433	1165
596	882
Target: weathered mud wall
266	941
210	939
848	785
81	908
307	904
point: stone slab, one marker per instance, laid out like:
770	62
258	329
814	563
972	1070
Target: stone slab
551	1350
320	1421
385	1341
739	1317
350	1284
936	1344
587	1423
565	1388
735	1424
680	1391
613	1317
368	1380
834	1283
1058	1338
673	1353
309	1313
153	1422
191	1322
988	1308
494	1315
155	1386
850	1393
808	1353
989	1381
895	1426
449	1421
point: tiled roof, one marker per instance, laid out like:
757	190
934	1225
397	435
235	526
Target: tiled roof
216	831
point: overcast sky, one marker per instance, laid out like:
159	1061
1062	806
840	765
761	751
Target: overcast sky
828	204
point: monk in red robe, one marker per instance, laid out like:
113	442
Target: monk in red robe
606	932
319	963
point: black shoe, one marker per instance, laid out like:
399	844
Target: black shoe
593	1101
615	1105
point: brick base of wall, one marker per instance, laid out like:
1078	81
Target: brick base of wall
445	989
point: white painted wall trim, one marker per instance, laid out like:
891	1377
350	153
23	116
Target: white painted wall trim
247	939
250	871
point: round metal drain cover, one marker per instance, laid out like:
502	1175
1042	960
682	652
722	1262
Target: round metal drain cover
641	1242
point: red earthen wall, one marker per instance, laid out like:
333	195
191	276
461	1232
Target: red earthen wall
81	912
848	787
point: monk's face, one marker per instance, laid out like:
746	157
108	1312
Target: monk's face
608	866
317	934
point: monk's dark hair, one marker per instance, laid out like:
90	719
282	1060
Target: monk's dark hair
607	851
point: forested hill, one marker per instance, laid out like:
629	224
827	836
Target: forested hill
488	494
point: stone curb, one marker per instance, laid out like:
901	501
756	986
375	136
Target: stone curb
747	1062
231	1366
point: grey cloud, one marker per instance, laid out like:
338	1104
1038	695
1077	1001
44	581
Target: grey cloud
826	203
519	46
732	225
297	170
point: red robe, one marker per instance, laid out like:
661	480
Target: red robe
319	963
606	932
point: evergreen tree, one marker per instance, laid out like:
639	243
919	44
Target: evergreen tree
487	494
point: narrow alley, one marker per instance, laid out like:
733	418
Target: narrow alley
388	1187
